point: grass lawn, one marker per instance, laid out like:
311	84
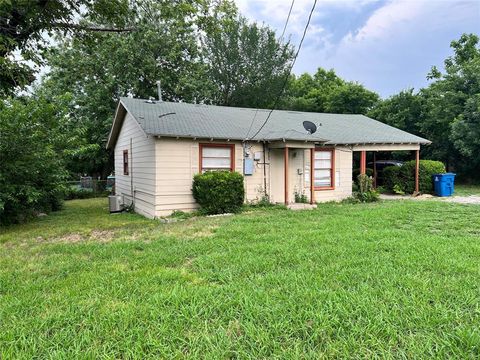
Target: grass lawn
396	279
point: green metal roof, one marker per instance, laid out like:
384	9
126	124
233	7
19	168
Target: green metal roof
176	119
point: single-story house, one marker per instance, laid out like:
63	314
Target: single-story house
159	146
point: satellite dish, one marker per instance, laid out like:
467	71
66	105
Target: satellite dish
310	126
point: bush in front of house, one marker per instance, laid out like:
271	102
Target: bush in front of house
356	172
366	192
218	192
402	178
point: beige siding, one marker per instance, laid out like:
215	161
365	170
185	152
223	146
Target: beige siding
276	175
254	184
141	154
178	160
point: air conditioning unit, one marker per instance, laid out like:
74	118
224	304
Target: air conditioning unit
115	203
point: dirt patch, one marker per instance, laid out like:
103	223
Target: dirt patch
102	235
188	262
191	230
95	235
69	238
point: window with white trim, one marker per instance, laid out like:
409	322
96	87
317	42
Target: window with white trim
216	158
323	170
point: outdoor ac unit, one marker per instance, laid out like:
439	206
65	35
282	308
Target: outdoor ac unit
115	203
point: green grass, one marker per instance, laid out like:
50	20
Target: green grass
396	279
466	190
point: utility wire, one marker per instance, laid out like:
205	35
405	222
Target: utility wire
289	71
284	51
288	18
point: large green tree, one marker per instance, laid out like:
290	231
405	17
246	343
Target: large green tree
445	111
247	65
325	91
34	133
446	98
403	110
26	27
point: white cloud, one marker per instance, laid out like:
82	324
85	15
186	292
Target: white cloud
392	49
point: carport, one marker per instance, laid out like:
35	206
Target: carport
364	148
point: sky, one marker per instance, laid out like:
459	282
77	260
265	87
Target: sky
386	45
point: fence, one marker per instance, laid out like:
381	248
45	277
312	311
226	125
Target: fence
87	187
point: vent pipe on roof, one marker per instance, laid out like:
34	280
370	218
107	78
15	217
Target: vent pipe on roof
159	89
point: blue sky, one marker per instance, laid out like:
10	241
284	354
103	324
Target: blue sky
387	45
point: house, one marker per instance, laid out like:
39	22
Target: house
159	146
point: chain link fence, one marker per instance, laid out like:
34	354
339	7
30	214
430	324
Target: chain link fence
88	187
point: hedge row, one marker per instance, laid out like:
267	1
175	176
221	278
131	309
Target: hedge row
402	178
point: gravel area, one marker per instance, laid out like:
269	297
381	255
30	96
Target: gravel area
472	199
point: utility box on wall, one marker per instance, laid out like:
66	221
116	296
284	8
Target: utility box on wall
248	166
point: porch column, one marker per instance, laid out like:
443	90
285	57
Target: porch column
286	174
363	162
312	177
417	170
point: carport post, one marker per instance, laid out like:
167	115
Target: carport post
312	176
417	170
363	162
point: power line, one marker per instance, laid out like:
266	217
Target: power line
288	18
284	51
289	71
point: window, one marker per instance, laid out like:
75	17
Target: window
216	157
324	177
125	162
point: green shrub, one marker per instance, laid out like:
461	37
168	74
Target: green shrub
391	177
366	192
402	179
356	172
301	198
219	192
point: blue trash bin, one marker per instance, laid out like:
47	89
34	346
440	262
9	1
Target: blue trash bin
444	184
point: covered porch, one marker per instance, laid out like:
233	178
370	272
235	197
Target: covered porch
309	172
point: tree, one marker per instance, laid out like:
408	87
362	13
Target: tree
446	98
27	25
466	136
403	110
247	65
327	92
445	111
32	174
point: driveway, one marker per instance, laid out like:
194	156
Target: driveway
471	199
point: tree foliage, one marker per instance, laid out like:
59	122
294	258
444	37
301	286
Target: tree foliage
247	65
446	111
32	174
27	25
325	91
